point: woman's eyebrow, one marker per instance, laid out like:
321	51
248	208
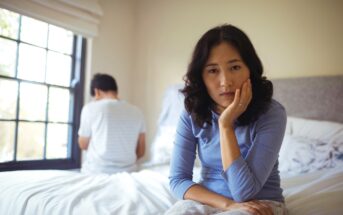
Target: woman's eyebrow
211	64
229	62
234	61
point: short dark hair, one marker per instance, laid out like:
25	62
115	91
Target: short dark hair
103	82
198	103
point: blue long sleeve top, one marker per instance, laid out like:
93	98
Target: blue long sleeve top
254	175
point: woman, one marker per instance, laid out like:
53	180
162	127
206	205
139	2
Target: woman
236	126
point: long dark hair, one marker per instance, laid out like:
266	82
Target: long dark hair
198	103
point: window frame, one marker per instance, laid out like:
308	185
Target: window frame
73	160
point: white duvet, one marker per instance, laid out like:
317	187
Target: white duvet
146	192
319	192
63	192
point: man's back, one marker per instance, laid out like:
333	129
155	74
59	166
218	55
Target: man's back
114	127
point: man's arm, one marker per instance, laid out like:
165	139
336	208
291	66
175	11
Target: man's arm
84	142
140	150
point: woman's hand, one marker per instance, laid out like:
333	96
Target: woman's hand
253	207
240	103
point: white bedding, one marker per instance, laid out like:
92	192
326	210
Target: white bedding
146	192
65	192
319	192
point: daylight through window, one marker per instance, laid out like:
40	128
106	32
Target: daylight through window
38	85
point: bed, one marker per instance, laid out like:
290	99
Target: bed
311	163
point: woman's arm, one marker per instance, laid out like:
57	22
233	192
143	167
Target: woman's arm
229	147
183	156
246	177
203	195
181	172
181	169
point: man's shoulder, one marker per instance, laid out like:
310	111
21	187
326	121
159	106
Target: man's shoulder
128	107
92	104
88	106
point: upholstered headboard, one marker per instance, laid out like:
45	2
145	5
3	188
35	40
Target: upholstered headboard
313	97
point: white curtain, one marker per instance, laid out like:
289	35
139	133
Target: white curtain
79	16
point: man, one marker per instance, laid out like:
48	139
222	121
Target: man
112	131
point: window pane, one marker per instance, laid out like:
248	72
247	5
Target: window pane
60	40
8	50
9	23
59	105
6	141
57	141
32	101
8	99
34	31
31	63
58	69
30	141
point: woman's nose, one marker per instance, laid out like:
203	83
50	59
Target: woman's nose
225	79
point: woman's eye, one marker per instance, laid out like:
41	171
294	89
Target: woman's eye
212	71
235	68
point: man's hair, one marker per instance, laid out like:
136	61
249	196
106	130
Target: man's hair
198	103
103	82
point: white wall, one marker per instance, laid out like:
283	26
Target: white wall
112	50
147	44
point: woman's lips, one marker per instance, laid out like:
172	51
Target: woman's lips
227	94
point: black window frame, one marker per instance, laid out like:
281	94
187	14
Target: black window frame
73	160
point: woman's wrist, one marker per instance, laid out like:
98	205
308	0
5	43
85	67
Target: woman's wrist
227	124
203	195
227	203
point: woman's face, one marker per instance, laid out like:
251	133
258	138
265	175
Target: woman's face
223	73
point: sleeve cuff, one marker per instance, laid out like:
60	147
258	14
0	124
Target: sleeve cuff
83	134
183	187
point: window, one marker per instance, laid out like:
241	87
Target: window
41	82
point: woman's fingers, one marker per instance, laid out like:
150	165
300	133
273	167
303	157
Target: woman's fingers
254	207
264	208
242	101
237	98
246	94
249	91
258	209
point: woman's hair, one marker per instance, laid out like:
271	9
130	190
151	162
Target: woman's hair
103	82
198	103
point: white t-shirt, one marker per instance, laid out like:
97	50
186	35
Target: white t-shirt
114	127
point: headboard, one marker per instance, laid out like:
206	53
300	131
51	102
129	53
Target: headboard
318	98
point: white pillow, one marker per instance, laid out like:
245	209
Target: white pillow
172	106
310	145
315	129
162	146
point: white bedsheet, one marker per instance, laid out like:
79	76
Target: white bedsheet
146	192
64	192
318	192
